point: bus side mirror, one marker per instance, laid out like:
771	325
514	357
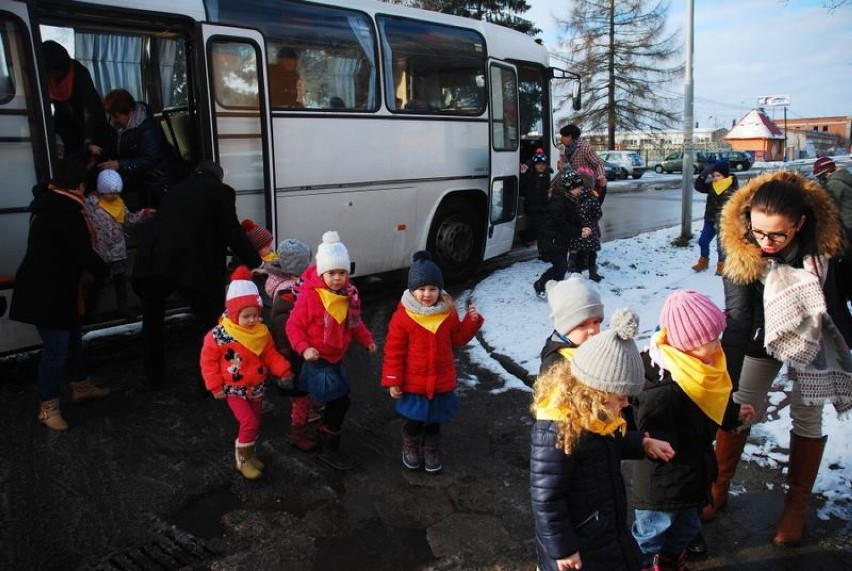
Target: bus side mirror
576	96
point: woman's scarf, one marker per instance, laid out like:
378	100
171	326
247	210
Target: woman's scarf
253	338
61	90
429	318
720	186
708	385
114	208
800	333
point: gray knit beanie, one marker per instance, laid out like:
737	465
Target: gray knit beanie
572	301
610	361
294	256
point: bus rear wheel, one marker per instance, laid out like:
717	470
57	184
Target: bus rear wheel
455	241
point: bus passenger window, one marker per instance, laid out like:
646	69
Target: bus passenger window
234	75
7	85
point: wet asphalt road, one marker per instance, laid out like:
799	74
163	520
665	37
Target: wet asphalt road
145	480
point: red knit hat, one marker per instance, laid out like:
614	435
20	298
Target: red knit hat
691	319
259	236
242	293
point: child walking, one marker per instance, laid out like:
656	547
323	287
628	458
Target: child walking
325	319
419	366
577	313
236	357
283	283
585	247
110	219
686	399
561	225
579	500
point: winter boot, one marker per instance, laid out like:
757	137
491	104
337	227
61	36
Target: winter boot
412	454
538	287
702	264
86	390
720	267
50	415
300	437
593	267
432	456
243	454
729	447
330	452
315	412
670	562
805	456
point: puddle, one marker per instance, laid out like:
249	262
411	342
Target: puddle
203	517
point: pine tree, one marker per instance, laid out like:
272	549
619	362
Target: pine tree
502	12
627	60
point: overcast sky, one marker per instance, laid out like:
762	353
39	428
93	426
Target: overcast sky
747	49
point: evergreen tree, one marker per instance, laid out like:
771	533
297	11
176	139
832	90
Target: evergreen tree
622	51
502	12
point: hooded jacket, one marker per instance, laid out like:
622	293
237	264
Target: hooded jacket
745	265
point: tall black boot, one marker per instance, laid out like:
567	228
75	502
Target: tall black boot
330	452
593	267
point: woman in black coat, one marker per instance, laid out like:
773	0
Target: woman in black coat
47	288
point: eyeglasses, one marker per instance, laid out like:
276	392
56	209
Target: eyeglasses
773	237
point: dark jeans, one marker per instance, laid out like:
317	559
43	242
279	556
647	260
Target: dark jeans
153	292
62	355
559	260
708	232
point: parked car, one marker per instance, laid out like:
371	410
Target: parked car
674	163
614	171
738	160
630	161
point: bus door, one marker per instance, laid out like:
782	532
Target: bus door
505	158
236	64
22	160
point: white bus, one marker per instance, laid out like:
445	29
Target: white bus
402	129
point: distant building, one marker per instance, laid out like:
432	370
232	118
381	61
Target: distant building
818	136
759	135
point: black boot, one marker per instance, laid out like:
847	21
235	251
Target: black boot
330	452
538	287
593	267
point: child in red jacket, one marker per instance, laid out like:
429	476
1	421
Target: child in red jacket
235	359
325	319
419	366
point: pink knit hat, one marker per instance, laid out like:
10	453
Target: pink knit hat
691	319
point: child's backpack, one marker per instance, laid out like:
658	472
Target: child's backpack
282	305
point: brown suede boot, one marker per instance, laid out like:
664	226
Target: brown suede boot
729	447
50	415
702	264
86	390
243	453
720	267
805	456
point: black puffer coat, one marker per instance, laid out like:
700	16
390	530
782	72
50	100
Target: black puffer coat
550	352
665	412
561	224
59	250
579	501
715	202
143	153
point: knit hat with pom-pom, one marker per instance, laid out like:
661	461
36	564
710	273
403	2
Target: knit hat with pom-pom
610	361
259	236
539	156
424	272
691	319
332	254
242	293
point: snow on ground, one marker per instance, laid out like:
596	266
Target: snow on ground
639	273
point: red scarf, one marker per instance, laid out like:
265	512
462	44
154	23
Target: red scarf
61	90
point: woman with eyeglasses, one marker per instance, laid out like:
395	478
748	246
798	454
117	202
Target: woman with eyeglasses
783	237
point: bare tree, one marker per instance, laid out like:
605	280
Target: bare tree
622	51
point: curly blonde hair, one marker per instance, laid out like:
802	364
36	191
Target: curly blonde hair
580	404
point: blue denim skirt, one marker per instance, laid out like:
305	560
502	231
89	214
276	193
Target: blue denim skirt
442	407
324	381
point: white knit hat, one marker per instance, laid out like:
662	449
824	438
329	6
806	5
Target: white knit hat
109	181
572	301
242	293
610	361
332	254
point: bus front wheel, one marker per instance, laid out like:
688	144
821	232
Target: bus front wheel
455	241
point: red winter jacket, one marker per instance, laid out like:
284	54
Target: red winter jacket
422	362
227	365
310	325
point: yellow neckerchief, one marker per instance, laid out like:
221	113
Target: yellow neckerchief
430	322
114	208
269	257
253	338
720	186
707	385
567	352
559	414
335	304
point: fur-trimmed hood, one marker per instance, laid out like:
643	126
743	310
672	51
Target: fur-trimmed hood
744	261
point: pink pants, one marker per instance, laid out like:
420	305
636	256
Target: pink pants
247	413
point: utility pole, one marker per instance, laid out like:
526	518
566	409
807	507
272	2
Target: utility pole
688	123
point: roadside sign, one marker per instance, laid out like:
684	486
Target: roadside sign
773	100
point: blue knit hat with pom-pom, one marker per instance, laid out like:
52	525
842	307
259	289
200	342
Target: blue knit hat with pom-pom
424	272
